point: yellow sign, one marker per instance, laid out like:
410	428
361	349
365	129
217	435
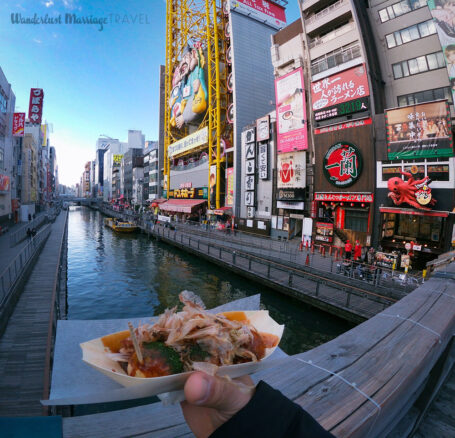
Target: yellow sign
117	160
189	142
44	132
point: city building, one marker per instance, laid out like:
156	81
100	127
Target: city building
7	166
204	122
132	159
416	134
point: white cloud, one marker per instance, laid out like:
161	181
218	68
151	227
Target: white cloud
71	4
37	41
19	6
49	3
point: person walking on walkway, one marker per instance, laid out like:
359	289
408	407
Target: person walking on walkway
357	251
348	250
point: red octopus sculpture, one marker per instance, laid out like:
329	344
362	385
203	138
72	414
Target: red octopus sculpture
405	191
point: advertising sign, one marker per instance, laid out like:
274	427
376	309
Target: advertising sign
291	170
189	142
386	260
261	10
35	108
188	100
229	186
249	182
250	150
212	186
44	135
250	167
18	124
117	160
416	193
443	13
341	126
342	164
4	183
291	112
263	128
189	193
341	94
344	197
324	232
263	161
419	131
249	199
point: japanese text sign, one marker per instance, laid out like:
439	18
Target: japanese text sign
18	124
35	109
343	164
419	131
337	89
291	170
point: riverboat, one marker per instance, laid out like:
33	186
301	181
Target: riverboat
120	226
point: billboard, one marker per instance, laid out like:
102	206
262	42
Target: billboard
263	128
291	112
4	183
341	94
291	176
443	13
188	99
44	129
343	164
117	160
212	186
229	186
18	124
419	131
262	10
35	108
189	142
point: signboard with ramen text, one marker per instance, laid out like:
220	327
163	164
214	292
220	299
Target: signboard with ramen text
291	112
341	94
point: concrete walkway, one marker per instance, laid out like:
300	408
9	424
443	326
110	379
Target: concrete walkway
23	345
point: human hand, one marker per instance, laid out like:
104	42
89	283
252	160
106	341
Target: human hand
211	401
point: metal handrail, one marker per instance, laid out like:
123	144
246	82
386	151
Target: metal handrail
21	234
15	269
332	35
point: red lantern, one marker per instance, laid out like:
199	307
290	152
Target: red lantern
352	204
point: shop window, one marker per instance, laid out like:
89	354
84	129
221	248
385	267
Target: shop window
356	220
417	171
388	225
408	226
390	172
438	173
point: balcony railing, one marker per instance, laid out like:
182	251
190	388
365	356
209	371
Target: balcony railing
335	59
332	35
325	12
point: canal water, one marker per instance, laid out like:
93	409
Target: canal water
119	276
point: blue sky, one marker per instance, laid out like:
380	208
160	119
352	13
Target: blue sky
95	82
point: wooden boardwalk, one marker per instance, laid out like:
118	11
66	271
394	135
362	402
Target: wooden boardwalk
23	345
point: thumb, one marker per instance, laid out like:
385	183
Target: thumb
208	391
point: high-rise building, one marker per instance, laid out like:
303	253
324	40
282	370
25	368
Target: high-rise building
8	168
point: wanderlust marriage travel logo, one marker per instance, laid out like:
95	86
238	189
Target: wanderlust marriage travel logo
99	22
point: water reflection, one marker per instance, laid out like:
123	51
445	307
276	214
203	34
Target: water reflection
120	276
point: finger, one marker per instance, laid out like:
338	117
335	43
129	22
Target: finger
214	392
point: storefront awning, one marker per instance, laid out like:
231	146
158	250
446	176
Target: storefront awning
413	212
181	205
223	210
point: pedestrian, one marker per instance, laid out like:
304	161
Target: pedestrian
370	255
29	217
357	250
348	250
29	233
34	216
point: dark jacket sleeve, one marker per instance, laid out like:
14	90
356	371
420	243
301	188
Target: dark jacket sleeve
270	414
